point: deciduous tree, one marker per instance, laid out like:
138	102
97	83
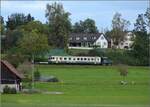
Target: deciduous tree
11	38
141	43
33	43
86	26
17	19
140	24
141	48
119	28
2	27
147	17
59	25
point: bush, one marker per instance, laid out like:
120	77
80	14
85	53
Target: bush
118	56
54	79
78	52
8	90
40	59
49	79
26	84
13	91
97	52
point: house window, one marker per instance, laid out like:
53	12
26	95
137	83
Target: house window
104	43
102	37
77	38
98	43
94	37
85	38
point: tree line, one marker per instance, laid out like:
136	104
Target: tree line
22	34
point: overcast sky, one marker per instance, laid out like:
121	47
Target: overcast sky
101	11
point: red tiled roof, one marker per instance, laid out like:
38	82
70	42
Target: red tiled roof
12	68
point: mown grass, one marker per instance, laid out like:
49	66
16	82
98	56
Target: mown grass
87	86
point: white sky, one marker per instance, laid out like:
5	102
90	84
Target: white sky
101	11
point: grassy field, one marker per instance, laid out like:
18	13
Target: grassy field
87	86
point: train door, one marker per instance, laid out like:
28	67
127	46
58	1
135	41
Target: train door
95	60
56	59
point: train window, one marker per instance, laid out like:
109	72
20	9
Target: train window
84	58
92	59
74	58
88	58
65	58
81	58
60	58
69	58
53	57
77	58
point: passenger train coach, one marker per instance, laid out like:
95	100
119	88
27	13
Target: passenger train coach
78	60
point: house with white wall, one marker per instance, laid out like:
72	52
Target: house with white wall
128	41
87	41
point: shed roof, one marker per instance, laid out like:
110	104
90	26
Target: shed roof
12	68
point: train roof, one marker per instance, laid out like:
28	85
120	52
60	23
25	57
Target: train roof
71	56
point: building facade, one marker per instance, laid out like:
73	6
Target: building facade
128	41
87	41
10	76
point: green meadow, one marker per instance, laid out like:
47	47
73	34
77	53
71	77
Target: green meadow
86	86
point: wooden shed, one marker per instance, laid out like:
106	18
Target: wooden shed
10	76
